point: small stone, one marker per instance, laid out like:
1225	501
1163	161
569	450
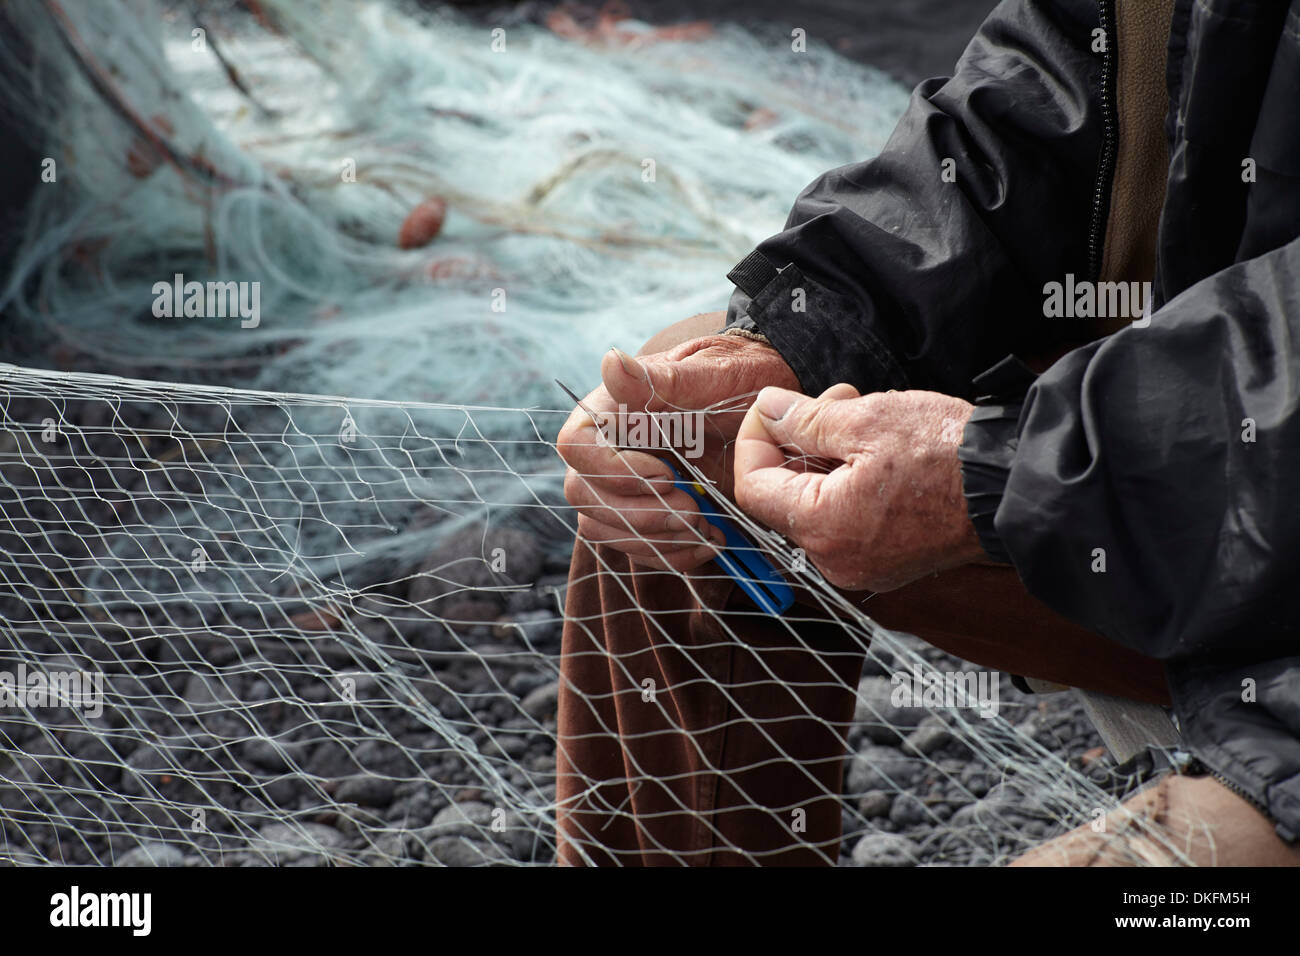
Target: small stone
506	745
470	819
541	702
269	754
301	843
932	734
977	780
388	849
877	713
875	803
908	811
386	758
282	791
366	791
330	758
884	849
524	683
881	768
460	851
208	691
542	764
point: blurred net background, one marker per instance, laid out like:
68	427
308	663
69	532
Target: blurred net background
327	628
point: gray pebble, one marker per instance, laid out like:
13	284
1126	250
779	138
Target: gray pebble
469	819
875	803
881	768
929	736
366	791
270	754
908	811
541	702
287	843
884	849
461	851
877	714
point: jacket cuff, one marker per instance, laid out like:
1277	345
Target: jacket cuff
821	334
738	313
989	446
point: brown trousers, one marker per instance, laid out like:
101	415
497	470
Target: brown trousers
692	727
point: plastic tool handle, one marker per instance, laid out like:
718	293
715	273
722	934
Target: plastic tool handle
746	565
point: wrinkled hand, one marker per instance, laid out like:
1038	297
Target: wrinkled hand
626	499
890	507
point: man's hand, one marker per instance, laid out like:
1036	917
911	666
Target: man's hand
890	507
626	498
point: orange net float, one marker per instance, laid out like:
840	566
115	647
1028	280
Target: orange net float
423	224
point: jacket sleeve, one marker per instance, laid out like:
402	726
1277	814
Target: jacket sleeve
922	266
1144	488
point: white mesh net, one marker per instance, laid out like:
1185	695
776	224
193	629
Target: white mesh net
244	628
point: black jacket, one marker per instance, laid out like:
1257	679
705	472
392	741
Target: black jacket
1167	447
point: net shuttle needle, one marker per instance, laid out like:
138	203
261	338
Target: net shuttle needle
746	564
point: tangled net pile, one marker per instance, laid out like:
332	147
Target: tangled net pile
326	629
594	193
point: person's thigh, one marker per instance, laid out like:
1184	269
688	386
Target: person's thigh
982	613
1176	821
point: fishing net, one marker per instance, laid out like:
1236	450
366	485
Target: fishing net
593	192
249	623
257	678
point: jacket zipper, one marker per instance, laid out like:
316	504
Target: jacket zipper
1100	199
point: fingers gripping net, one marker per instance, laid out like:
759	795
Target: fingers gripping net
319	630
